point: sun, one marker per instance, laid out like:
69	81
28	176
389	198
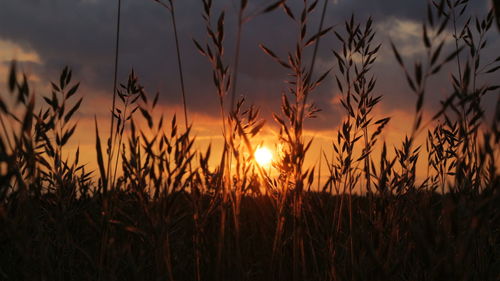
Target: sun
263	156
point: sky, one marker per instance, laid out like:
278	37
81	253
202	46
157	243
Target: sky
44	36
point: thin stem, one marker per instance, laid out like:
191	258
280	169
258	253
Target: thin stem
366	137
233	97
179	64
120	140
115	77
456	45
315	51
237	57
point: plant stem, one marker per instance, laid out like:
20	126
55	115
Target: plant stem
179	64
115	78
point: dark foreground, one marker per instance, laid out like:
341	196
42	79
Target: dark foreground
418	236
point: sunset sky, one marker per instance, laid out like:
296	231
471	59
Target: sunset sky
44	36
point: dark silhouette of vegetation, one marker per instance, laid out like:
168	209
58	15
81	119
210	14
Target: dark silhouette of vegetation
155	209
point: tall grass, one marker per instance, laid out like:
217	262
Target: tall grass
156	209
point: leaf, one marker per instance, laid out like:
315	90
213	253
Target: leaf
430	16
63	78
339	84
198	46
48	101
418	73
443	25
317	36
397	55
155	100
147	116
67	135
320	79
273	6
73	90
72	111
427	42
383	120
436	53
220	26
410	82
310	179
273	55
493	69
12	76
100	158
492	88
28	117
3	107
339	37
268	51
453	54
257	128
436	69
288	11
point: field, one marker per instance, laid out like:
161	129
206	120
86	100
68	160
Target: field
153	206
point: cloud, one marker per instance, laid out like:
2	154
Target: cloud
81	34
10	50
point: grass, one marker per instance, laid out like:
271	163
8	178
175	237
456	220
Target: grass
156	210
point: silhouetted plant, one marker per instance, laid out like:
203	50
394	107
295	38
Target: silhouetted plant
161	211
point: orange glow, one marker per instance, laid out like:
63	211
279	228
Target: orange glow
263	156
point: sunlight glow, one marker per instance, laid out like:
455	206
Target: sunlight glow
263	156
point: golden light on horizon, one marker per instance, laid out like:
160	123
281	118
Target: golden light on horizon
263	156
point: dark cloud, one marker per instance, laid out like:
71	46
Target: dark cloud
82	34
